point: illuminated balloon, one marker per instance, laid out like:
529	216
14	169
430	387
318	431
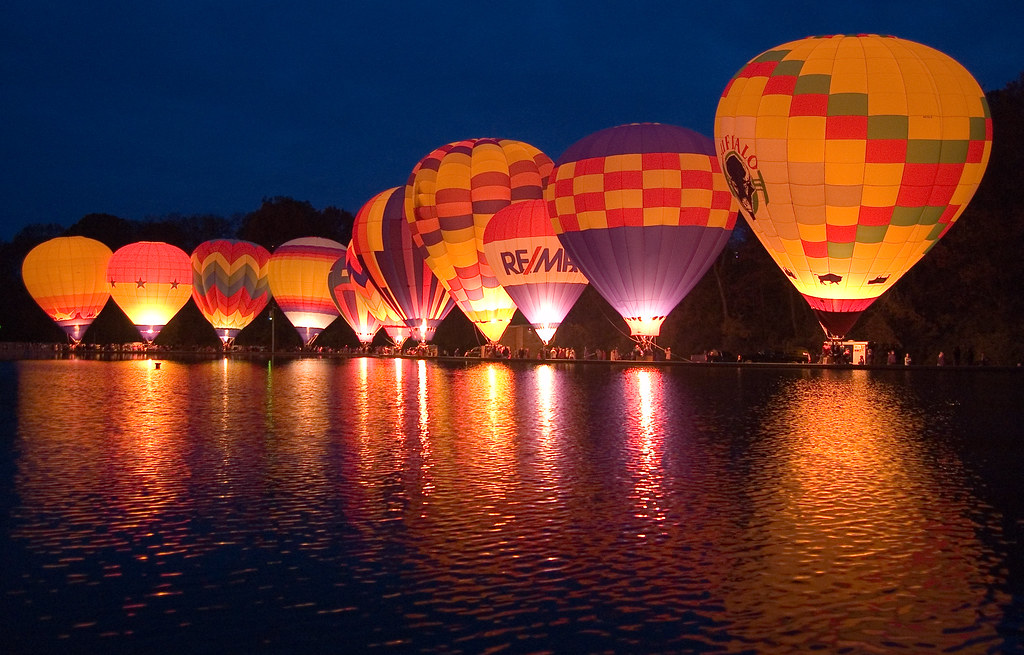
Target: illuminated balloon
851	156
451	195
383	244
150	281
371	296
229	283
643	210
297	272
67	277
532	266
350	302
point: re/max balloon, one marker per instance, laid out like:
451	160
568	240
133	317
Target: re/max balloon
383	245
643	210
297	273
851	157
532	266
150	281
452	194
229	283
67	277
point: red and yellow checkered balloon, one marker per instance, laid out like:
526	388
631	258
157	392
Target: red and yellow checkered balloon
851	156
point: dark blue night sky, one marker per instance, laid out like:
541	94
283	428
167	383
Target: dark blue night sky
150	108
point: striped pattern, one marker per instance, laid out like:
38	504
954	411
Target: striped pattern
644	210
349	301
383	246
852	156
67	277
150	281
297	273
229	283
450	197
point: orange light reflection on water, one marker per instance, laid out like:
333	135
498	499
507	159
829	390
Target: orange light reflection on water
646	443
849	483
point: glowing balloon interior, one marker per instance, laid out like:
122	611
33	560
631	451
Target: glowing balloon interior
297	273
350	302
452	194
851	156
532	266
67	277
643	210
383	245
229	284
150	281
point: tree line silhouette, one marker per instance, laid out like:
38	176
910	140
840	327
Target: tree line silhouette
965	293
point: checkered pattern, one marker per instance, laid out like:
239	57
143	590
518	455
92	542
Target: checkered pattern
451	195
870	147
636	189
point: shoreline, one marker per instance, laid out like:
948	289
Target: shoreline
54	353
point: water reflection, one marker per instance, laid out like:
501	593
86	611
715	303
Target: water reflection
857	533
497	506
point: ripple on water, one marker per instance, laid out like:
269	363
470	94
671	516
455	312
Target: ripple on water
412	505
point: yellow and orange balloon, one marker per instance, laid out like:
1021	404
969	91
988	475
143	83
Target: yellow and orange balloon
850	157
67	277
451	195
297	273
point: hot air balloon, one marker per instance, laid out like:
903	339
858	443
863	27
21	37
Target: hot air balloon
297	273
383	245
393	323
643	210
229	284
451	195
851	156
532	266
150	281
67	277
350	302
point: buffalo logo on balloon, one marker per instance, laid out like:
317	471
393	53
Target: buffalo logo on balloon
851	157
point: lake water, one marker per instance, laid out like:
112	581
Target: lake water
362	505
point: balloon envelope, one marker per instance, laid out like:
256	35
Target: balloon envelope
643	210
350	302
383	245
297	273
851	156
150	281
67	277
452	194
532	266
229	283
389	318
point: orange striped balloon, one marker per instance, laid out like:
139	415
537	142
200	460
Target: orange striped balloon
451	196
